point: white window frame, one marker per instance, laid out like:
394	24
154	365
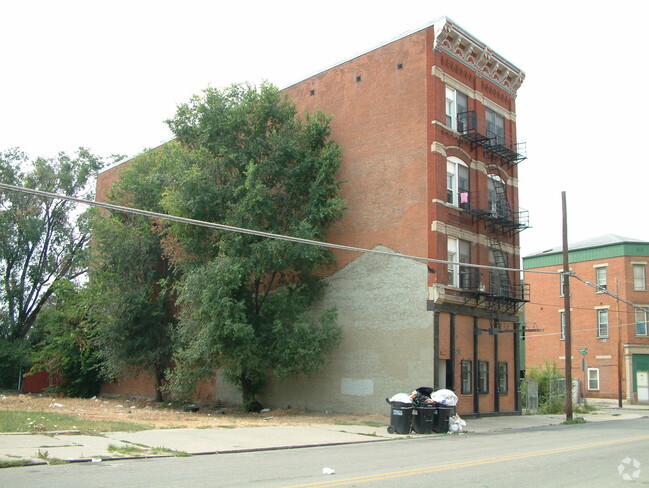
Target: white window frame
503	377
495	125
562	324
452	106
454	255
593	378
601	278
639	282
641	319
601	323
453	187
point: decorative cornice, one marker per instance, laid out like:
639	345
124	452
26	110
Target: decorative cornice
451	39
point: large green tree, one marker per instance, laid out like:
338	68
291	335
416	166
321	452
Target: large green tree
42	241
63	341
131	278
247	302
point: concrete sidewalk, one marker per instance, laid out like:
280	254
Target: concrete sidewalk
74	447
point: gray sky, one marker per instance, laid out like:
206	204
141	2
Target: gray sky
105	75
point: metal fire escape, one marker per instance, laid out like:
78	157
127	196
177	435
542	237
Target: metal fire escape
498	145
499	289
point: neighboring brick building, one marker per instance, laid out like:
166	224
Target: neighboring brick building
608	288
427	126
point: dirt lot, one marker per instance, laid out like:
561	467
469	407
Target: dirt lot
172	416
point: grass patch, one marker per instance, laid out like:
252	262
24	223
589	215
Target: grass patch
16	421
135	450
575	420
45	456
585	408
14	463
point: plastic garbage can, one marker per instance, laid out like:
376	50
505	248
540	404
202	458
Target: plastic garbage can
423	417
440	419
400	417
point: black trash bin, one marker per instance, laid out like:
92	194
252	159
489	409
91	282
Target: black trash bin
440	419
400	417
423	417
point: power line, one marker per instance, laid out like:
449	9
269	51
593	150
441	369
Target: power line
241	230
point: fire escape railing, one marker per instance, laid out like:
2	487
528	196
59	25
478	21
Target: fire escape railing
493	284
494	211
497	143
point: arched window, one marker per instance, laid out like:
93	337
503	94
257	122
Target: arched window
457	182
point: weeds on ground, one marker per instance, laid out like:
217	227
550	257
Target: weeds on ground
139	450
575	420
16	421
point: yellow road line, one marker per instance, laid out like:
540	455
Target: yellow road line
462	464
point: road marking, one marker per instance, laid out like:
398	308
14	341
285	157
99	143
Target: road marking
462	464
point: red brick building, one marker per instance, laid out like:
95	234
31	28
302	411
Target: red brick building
609	306
427	125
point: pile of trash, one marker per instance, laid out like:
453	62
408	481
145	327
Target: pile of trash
427	398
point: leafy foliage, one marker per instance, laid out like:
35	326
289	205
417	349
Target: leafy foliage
544	376
42	241
131	279
64	342
14	358
245	300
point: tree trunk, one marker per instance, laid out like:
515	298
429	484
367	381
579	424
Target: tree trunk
250	403
159	381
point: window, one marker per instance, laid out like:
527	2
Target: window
600	278
459	251
639	280
456	103
467	377
457	182
563	324
483	376
497	197
561	285
593	379
641	321
495	127
602	323
502	377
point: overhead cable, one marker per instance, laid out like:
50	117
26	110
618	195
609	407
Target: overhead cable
241	230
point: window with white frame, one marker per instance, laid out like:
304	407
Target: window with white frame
456	103
483	376
641	321
459	251
562	315
602	322
457	182
600	278
593	379
502	377
639	277
467	376
497	196
495	126
561	283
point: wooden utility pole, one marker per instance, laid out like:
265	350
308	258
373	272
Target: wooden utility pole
566	304
619	345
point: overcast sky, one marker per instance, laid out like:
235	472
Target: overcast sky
105	75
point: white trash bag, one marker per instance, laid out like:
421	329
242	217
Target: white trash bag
456	425
444	397
401	397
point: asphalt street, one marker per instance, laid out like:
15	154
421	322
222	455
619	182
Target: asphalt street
610	453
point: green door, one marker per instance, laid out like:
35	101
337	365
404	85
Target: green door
640	363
